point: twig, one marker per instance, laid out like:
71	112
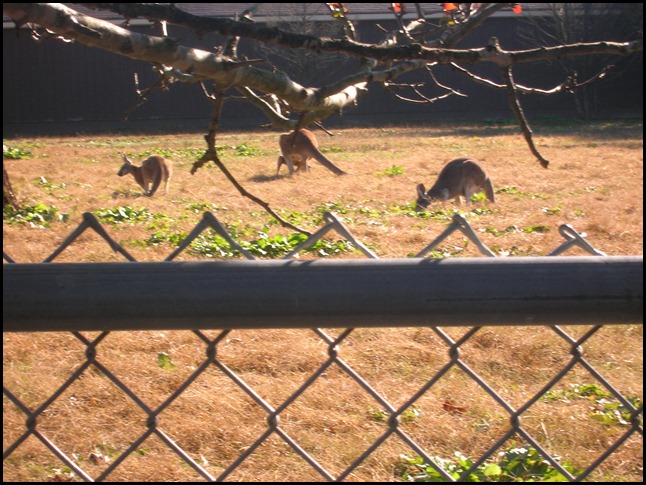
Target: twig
161	83
514	103
569	85
424	99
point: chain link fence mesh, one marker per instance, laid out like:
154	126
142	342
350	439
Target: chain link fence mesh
273	417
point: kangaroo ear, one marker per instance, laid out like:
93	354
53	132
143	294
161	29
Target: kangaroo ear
421	191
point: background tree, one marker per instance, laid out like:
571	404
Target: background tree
424	40
572	23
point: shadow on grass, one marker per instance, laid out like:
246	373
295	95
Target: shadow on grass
261	177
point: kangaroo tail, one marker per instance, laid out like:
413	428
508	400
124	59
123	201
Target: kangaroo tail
488	188
323	160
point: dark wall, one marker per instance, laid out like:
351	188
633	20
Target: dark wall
52	87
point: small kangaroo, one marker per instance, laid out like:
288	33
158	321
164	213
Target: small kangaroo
460	177
153	170
297	148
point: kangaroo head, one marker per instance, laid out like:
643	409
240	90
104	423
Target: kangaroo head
422	199
126	168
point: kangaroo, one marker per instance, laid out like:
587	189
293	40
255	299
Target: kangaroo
153	170
297	148
460	177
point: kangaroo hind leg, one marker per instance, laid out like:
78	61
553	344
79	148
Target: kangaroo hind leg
155	184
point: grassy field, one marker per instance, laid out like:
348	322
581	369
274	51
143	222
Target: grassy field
594	183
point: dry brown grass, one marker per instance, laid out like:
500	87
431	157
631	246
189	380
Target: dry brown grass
595	183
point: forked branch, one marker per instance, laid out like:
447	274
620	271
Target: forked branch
211	154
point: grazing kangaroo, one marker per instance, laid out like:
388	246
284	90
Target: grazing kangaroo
297	148
153	170
460	177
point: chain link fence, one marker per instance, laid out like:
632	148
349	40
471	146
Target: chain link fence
18	316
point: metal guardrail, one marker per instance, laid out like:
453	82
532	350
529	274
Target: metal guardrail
310	294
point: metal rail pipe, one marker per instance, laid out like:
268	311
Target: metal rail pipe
322	293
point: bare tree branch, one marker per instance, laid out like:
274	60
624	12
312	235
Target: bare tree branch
568	86
198	65
211	154
161	83
347	46
514	103
421	43
421	98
